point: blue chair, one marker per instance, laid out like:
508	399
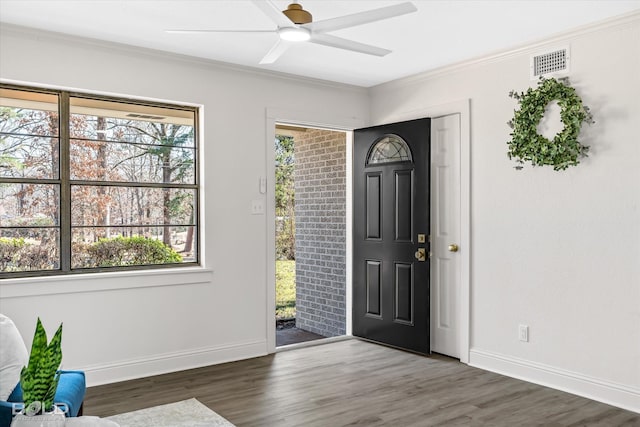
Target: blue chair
69	395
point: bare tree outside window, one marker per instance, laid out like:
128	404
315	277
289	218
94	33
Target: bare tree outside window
285	198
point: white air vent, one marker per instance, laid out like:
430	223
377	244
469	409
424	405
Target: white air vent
550	63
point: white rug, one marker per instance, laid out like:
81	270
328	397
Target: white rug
188	413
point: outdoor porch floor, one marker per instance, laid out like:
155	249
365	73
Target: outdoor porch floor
293	335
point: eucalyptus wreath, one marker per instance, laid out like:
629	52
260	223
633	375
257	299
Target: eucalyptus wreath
527	145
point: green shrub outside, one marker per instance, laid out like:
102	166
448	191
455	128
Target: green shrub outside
10	251
16	254
137	250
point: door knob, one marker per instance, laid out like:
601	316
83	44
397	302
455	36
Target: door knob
453	247
420	254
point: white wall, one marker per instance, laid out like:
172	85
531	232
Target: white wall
119	326
558	251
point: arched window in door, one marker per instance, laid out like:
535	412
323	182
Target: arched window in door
389	148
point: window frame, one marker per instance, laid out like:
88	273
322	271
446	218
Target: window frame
65	183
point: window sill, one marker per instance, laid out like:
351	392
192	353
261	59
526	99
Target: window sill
95	282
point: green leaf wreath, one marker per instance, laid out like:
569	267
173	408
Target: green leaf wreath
527	145
39	379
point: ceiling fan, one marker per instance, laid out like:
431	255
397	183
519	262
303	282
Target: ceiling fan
296	25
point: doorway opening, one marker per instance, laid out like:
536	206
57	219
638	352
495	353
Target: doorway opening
310	205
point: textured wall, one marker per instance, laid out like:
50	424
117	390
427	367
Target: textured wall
320	184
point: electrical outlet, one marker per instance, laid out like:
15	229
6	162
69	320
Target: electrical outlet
257	207
523	333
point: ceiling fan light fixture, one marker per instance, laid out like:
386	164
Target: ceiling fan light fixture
297	14
294	34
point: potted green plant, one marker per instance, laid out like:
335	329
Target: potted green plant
39	381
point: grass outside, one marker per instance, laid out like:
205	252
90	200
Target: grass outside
285	289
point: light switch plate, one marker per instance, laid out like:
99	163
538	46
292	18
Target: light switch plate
523	333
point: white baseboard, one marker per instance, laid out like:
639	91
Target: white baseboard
607	392
172	362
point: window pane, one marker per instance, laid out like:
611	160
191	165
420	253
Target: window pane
103	120
28	157
29	249
27	121
93	128
122	246
111	206
109	161
29	205
388	149
29	144
29	113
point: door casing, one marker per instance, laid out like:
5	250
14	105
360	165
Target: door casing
324	119
315	119
462	107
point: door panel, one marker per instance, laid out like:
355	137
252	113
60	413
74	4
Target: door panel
391	207
404	293
404	206
374	207
373	288
445	231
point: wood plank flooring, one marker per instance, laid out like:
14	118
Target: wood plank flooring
357	383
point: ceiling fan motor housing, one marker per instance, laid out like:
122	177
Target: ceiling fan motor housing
297	14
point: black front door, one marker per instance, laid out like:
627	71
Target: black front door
391	234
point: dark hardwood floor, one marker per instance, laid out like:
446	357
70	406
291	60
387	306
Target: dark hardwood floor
357	383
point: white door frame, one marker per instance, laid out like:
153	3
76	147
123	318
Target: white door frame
461	107
312	119
323	119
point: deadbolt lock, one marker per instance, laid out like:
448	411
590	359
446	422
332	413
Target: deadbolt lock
421	254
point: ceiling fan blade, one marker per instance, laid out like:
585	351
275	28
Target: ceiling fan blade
275	14
360	18
340	43
217	31
276	51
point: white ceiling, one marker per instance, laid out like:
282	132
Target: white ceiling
438	34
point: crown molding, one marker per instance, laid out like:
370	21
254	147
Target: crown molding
621	21
34	33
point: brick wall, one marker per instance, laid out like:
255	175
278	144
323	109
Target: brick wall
320	210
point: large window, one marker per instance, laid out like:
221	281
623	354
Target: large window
90	183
